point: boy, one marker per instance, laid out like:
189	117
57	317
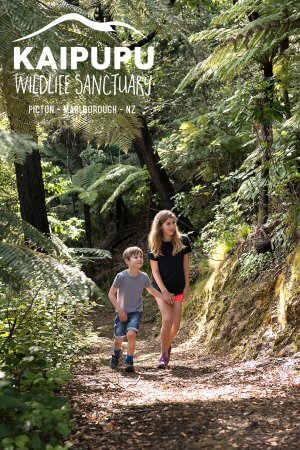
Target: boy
126	296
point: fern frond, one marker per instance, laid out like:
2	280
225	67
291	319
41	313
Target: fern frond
130	183
21	262
293	122
15	147
84	255
13	228
28	265
113	174
87	175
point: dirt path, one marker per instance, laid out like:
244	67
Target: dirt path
198	402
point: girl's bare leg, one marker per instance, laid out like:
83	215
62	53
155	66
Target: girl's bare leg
177	308
166	311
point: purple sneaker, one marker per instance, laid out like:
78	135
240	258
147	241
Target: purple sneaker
163	361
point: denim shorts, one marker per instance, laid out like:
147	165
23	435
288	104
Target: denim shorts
132	323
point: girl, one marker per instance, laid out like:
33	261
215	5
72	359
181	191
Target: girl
169	254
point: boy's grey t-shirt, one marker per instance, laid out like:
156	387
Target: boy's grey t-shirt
130	290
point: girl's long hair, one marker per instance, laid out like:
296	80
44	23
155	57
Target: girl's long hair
155	238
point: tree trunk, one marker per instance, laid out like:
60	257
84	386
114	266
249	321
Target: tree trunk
266	132
159	177
149	157
266	145
87	225
29	178
31	192
264	199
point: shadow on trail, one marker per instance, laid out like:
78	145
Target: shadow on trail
182	373
191	372
243	424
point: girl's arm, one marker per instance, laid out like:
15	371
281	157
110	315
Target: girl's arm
167	296
186	270
112	297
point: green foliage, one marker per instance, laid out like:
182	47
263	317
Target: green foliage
34	417
41	331
254	264
240	41
227	227
8	191
55	184
66	230
23	262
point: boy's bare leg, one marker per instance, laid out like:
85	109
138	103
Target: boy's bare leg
118	343
131	338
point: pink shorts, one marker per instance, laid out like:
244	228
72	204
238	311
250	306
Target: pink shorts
178	298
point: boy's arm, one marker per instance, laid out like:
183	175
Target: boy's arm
156	293
112	297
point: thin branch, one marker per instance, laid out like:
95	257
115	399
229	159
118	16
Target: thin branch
144	41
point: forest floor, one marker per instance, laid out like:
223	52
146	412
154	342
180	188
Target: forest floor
199	402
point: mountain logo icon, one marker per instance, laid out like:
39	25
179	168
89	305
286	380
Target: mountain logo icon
104	26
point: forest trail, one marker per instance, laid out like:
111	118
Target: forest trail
199	402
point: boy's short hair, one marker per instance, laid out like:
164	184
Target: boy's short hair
132	251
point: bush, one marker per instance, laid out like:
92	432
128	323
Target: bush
41	332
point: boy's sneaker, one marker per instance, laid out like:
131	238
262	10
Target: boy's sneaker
163	361
129	367
115	360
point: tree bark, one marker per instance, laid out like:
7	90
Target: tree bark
264	199
149	157
267	144
87	225
29	178
31	192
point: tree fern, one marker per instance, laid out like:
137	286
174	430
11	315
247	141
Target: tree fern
105	185
84	255
28	265
240	41
113	174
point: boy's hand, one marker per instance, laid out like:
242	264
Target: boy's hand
123	315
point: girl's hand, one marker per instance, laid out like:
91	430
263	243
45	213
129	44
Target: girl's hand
123	315
186	291
167	297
